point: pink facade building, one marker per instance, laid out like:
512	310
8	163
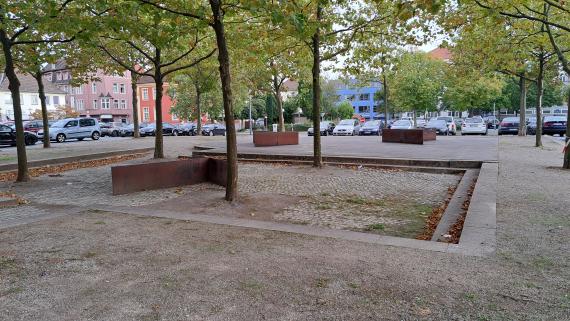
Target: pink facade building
108	99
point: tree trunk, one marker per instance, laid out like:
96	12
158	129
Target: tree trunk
540	93
136	126
415	119
198	110
158	138
279	102
225	76
14	87
386	110
522	106
45	121
567	153
317	157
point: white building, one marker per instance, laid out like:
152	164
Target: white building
289	89
29	97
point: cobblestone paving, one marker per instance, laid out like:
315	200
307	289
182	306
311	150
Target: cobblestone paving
343	198
348	198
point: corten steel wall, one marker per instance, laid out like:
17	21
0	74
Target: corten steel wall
149	176
274	139
407	136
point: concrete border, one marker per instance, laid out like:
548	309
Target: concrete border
204	151
454	207
479	235
77	158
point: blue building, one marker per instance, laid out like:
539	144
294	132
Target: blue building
360	96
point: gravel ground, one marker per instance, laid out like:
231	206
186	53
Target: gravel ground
106	266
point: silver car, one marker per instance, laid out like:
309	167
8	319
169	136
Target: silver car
73	128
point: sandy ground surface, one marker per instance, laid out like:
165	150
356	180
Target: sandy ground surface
108	266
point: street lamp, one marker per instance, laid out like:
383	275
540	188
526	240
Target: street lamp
250	124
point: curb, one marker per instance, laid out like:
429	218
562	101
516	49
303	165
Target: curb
85	157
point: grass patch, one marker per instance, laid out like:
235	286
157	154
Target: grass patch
7	263
469	296
375	227
100	222
7	158
322	282
542	262
323	207
89	255
358	200
13	290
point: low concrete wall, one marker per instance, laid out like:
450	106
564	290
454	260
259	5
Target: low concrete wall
149	176
407	136
275	138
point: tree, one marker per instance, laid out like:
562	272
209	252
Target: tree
471	92
165	44
192	87
30	23
345	110
417	83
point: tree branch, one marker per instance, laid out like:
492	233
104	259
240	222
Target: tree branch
195	62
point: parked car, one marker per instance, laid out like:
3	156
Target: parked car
33	125
214	130
73	128
554	125
371	127
188	129
450	124
421	123
167	130
474	125
440	126
8	136
459	123
347	127
327	128
402	124
509	126
112	129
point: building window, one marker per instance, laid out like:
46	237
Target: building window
94	103
174	117
50	77
123	104
105	103
146	114
64	76
154	93
145	94
58	75
79	104
122	88
94	88
47	100
80	89
115	88
56	100
34	100
364	96
115	104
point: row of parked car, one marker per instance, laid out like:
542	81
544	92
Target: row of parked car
444	125
551	125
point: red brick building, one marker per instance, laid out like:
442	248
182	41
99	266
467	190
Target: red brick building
146	93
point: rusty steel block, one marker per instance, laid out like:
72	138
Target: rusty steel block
261	138
156	175
407	136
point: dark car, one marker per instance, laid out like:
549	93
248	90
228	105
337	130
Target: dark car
554	125
187	129
33	126
509	126
214	130
440	126
8	136
371	127
327	128
150	130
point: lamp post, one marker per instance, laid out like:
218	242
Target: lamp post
250	124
